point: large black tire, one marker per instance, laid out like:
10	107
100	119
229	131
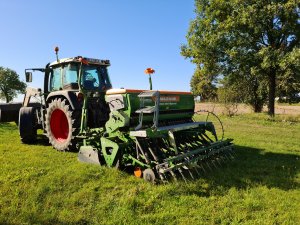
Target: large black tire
62	125
27	125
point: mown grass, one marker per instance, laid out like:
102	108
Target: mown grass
39	185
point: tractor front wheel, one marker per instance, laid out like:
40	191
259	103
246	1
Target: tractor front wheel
62	125
27	125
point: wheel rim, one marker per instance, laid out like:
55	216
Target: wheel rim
59	125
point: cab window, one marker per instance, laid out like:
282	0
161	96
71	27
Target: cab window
55	80
70	74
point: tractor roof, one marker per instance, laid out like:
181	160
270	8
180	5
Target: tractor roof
79	59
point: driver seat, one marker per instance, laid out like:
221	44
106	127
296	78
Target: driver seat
88	84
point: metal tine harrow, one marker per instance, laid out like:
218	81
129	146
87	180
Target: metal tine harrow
193	159
186	154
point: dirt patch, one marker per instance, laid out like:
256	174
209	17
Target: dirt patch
242	108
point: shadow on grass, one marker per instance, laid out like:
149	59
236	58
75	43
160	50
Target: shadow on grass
255	167
41	140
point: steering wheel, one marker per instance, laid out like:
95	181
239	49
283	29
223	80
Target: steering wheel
96	84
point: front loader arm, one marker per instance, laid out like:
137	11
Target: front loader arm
31	92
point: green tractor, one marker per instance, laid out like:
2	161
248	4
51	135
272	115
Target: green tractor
152	132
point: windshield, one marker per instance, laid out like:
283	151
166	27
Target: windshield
95	78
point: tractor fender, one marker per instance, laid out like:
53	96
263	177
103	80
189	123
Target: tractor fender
69	95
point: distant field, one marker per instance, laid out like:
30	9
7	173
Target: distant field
282	109
39	185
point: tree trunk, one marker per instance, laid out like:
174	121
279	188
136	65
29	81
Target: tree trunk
7	97
257	107
257	104
272	89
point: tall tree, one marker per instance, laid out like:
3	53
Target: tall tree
203	86
254	41
10	84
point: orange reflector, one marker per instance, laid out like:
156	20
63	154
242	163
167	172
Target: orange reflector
138	172
149	71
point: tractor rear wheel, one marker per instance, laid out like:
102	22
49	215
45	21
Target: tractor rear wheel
27	125
62	125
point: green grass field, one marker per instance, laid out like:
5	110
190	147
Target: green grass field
39	185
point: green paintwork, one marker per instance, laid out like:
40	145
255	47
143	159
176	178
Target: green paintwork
109	151
117	120
186	101
182	109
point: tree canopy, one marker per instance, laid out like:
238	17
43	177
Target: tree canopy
253	45
10	84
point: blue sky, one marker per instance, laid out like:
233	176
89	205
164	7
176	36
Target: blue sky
133	34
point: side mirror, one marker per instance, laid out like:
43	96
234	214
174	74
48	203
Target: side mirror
28	76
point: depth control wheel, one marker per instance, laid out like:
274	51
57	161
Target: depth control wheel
149	175
62	125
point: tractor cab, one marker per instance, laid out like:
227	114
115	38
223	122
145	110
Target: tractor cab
79	73
76	73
